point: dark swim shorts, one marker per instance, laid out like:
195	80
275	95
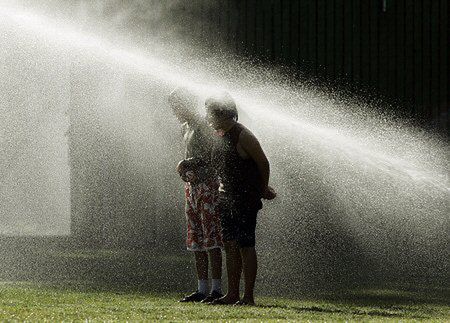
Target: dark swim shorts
238	220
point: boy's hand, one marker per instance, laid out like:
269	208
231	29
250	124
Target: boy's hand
189	176
269	193
184	172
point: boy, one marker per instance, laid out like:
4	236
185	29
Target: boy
201	192
244	172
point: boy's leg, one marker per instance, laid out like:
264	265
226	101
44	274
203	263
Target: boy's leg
250	267
246	242
194	242
234	268
201	264
215	256
208	204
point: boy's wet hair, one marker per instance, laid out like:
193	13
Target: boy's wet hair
183	97
221	106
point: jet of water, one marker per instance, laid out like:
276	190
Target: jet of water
355	187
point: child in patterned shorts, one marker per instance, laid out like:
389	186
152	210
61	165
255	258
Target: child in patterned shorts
204	236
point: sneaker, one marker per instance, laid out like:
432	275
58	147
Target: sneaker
194	297
213	296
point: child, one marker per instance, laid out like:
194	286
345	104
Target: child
201	191
244	172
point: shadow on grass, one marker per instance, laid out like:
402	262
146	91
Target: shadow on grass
317	309
398	302
56	263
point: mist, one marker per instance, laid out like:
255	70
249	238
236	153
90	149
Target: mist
89	147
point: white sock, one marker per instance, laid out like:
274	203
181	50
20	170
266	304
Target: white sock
203	286
216	285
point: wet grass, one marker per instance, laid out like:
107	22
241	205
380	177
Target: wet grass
54	282
34	302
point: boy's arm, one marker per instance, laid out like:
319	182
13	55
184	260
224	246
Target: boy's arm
184	127
252	147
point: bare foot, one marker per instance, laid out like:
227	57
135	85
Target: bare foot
245	302
226	300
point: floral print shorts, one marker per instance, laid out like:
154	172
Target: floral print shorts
202	216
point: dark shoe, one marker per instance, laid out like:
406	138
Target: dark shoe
212	297
194	297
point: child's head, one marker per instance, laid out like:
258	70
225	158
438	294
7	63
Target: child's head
183	104
187	170
220	109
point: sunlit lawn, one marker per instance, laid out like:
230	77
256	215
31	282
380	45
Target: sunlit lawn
29	301
42	283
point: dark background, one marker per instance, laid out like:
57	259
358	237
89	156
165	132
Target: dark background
395	51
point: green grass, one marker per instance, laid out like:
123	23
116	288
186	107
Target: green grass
33	302
48	282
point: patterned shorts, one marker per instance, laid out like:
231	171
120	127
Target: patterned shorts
202	216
